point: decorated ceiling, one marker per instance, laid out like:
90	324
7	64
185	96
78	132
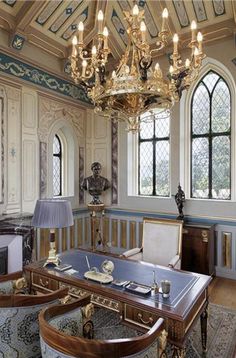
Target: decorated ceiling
51	25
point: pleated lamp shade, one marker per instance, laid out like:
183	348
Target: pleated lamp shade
51	214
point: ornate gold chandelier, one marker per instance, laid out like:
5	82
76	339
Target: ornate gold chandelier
136	86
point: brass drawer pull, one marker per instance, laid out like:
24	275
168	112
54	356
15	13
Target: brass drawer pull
43	284
140	317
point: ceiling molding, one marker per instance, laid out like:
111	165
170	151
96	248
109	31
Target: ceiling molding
28	12
8	18
40	40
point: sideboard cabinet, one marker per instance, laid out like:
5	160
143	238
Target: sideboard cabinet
198	248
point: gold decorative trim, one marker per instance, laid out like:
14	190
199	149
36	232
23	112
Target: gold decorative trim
74	291
204	234
108	303
227	249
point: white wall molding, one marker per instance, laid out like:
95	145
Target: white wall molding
13	135
30	149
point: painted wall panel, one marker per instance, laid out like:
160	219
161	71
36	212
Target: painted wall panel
29	113
14	150
29	170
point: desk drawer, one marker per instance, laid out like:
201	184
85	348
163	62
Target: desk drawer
44	282
139	317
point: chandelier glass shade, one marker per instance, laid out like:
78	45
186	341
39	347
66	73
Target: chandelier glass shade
137	85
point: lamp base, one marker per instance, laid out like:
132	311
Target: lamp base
52	260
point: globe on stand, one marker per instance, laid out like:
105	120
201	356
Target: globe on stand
107	267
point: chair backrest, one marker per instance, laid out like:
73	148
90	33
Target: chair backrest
11	276
19	333
56	342
162	240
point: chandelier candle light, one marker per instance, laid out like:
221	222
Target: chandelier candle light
137	85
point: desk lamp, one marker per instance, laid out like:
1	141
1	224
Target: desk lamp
52	214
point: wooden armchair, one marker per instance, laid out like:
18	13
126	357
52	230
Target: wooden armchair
13	283
62	328
162	243
19	328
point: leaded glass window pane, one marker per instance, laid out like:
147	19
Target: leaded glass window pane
146	168
210	80
162	168
200	167
221	108
56	176
162	128
56	145
221	167
57	159
211	136
201	110
146	129
154	154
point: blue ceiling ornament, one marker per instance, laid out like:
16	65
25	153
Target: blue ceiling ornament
141	3
67	67
69	11
10	2
17	42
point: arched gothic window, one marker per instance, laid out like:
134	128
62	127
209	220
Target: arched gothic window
154	152
57	166
211	139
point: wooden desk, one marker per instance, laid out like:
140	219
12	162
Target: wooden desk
188	300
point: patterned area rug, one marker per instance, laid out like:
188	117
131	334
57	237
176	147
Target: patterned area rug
221	340
221	334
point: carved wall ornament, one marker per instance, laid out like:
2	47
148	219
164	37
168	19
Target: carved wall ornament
12	152
51	111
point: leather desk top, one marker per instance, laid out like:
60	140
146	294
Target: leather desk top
129	270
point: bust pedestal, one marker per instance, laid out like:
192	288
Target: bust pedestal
96	213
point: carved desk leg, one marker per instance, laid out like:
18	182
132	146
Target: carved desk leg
204	317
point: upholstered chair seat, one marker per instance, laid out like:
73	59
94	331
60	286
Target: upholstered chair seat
19	328
161	243
62	331
13	283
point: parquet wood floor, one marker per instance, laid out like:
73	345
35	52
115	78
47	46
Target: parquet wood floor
222	291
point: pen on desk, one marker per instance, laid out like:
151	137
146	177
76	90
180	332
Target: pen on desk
88	262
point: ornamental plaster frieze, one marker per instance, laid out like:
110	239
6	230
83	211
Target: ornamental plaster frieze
51	111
